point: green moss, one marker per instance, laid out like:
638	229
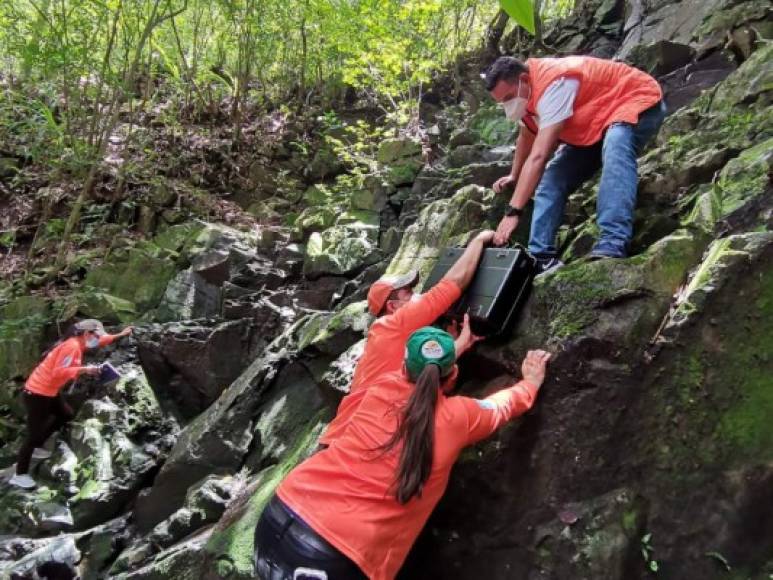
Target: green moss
141	277
233	548
174	238
630	521
747	424
572	293
716	401
353	316
744	177
90	489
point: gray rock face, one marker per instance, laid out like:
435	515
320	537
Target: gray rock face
648	453
218	440
189	365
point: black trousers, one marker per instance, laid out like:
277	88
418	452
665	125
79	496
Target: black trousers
287	548
44	416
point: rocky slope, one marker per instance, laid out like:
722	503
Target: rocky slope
650	452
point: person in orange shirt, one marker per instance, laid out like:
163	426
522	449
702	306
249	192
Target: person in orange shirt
578	114
47	411
400	311
354	509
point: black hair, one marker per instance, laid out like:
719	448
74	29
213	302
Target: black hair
505	68
72	330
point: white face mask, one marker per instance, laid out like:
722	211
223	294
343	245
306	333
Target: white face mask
515	108
92	342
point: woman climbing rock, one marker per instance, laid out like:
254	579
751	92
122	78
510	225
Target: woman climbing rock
354	509
47	410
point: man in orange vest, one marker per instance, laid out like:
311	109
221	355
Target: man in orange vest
600	114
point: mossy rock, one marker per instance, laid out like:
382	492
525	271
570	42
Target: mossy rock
174	238
440	224
400	174
391	150
313	219
366	199
708	392
360	219
109	309
324	164
340	250
141	278
317	194
616	300
231	547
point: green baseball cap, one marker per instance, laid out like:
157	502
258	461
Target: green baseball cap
429	345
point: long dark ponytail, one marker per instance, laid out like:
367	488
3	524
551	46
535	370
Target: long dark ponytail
416	431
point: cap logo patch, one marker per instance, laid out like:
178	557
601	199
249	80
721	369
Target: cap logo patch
432	350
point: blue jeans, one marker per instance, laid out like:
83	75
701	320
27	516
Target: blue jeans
571	166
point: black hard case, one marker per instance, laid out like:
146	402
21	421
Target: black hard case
497	292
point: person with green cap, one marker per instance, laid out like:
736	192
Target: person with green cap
355	508
47	411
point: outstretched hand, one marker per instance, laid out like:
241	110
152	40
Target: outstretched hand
466	338
503	183
505	229
91	371
533	367
126	331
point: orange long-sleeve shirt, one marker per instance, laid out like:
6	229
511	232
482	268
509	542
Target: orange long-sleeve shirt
385	347
345	491
60	366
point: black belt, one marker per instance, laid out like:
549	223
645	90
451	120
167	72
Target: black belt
294	528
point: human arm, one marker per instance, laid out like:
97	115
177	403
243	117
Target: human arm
466	338
436	302
529	178
523	147
64	370
111	338
485	416
464	269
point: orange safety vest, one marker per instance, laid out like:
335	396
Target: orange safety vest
610	92
61	365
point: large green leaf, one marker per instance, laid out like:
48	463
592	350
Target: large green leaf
522	11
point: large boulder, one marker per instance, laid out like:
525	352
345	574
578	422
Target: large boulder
139	275
190	364
698	23
219	440
216	255
109	309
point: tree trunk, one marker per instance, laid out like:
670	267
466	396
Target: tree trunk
494	34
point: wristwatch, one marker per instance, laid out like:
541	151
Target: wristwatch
513	211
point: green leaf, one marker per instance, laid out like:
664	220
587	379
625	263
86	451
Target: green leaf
654	565
522	11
